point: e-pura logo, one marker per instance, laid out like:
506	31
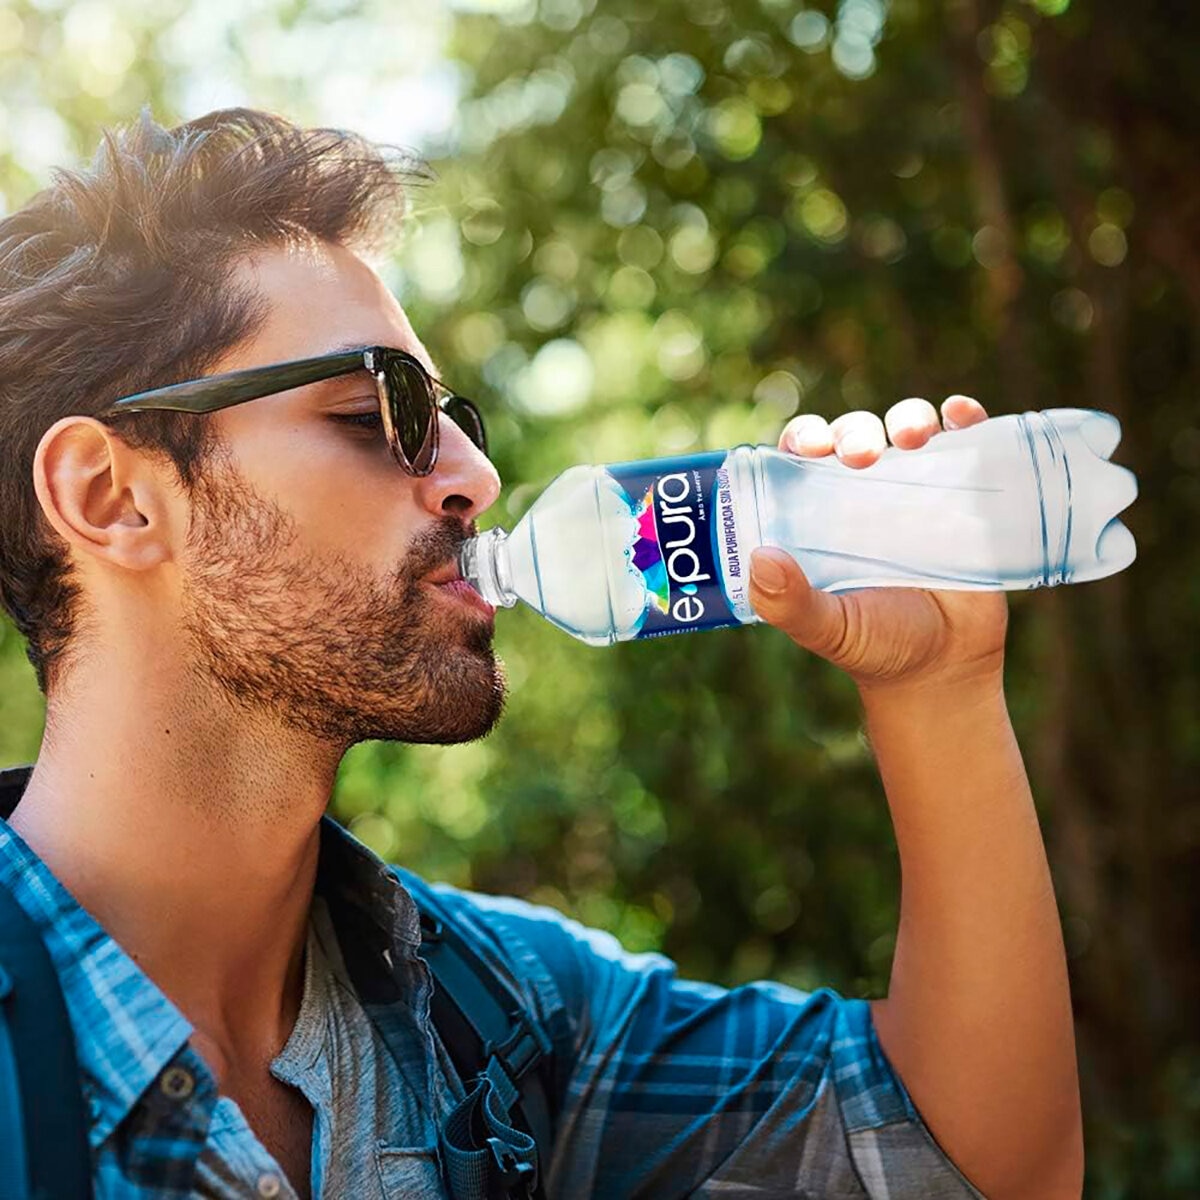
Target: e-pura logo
670	502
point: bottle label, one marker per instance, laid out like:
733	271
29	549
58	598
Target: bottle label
683	543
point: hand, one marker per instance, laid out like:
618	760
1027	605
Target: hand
882	636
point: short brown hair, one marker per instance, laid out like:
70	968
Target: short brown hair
119	278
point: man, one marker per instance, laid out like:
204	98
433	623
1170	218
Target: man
219	603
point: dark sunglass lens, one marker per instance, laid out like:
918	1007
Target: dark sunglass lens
412	412
466	416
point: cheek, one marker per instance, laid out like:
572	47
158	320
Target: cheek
356	519
346	496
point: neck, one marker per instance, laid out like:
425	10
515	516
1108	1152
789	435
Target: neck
189	829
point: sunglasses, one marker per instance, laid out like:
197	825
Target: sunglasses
410	399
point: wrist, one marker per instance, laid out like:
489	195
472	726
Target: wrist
936	745
943	690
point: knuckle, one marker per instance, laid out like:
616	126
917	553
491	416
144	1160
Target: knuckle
835	642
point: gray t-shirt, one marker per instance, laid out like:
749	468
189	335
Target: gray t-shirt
337	1060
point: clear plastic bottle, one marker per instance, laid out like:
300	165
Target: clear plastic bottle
642	549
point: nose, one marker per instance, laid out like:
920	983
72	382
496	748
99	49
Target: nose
464	483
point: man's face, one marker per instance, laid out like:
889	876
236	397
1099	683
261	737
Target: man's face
306	576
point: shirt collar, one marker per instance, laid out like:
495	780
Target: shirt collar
127	1031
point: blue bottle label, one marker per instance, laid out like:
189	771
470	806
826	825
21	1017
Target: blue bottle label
683	543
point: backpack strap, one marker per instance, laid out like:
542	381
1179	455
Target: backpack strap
493	1139
491	1142
44	1150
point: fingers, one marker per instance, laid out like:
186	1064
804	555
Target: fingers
911	423
859	438
782	595
807	434
960	411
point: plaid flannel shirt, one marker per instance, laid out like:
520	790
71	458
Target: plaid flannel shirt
666	1087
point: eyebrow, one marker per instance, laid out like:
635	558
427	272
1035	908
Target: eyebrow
346	347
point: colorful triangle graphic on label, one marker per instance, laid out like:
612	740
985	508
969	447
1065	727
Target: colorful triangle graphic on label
647	554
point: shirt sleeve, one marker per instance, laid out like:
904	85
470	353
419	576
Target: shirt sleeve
672	1088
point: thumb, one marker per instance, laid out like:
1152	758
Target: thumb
782	595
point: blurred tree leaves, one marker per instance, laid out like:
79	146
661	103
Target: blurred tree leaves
678	224
660	228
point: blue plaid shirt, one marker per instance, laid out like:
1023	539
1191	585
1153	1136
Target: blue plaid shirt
669	1088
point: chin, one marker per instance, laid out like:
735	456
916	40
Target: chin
461	702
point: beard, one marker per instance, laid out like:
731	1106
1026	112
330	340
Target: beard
323	645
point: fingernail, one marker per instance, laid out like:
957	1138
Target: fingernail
767	572
801	437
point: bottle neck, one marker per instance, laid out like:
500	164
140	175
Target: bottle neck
484	564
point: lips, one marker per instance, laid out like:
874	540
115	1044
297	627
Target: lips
449	581
448	574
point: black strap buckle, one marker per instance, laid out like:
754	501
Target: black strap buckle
527	1043
517	1178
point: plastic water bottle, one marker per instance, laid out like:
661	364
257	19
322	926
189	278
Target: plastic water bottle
642	549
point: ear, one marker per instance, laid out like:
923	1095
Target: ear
102	497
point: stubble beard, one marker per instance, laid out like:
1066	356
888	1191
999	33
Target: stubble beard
323	645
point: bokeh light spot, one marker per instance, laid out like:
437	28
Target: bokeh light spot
557	382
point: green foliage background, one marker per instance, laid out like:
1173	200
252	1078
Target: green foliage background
666	227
